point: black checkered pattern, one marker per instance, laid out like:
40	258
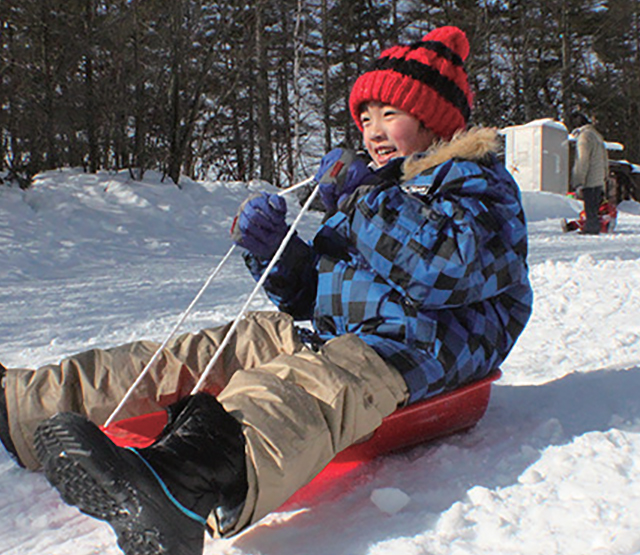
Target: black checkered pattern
436	283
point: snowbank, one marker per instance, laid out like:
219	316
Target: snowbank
553	467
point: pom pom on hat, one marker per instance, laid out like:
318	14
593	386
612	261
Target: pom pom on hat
426	79
453	38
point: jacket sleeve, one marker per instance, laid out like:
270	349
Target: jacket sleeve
461	244
293	281
583	156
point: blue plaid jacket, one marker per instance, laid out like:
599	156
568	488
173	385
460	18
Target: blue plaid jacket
430	272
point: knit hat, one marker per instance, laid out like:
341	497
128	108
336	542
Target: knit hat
427	79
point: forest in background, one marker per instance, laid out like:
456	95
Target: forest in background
237	90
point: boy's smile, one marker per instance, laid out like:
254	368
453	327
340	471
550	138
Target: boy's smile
389	132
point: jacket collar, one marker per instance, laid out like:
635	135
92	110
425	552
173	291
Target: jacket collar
474	145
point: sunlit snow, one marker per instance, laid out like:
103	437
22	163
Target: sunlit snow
553	468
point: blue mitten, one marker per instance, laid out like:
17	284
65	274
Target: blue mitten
260	224
341	172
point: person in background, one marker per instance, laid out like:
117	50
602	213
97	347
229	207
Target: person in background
590	170
415	284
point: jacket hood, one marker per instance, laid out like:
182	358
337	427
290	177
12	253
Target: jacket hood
473	144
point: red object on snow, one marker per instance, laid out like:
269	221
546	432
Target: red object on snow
420	422
607	216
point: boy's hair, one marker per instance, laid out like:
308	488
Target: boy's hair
426	79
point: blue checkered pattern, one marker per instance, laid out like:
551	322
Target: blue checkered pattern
431	276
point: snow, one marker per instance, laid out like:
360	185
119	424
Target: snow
390	500
553	467
543	122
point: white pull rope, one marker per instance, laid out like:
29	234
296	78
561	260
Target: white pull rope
296	186
188	310
255	291
159	350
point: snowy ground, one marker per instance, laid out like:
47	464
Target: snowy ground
553	468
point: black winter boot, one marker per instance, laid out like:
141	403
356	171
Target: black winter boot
5	436
156	499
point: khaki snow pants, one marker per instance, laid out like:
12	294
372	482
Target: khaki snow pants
298	407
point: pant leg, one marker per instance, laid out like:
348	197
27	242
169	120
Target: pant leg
93	382
592	200
301	409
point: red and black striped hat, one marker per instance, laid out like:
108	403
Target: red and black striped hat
426	79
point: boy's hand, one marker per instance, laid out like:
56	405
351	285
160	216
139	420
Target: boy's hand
260	224
341	172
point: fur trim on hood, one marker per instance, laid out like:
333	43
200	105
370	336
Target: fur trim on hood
473	144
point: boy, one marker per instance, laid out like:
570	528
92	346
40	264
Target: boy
416	283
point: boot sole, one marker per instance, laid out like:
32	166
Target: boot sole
91	473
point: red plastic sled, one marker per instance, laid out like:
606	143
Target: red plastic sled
607	216
439	416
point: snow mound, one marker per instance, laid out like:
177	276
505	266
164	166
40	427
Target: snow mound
553	467
629	207
540	206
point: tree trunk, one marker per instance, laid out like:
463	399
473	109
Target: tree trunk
139	140
237	145
298	54
175	158
51	159
284	78
90	100
566	63
263	103
326	104
5	80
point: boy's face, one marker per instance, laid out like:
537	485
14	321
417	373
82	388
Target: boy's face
389	132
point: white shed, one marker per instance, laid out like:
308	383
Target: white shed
537	155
